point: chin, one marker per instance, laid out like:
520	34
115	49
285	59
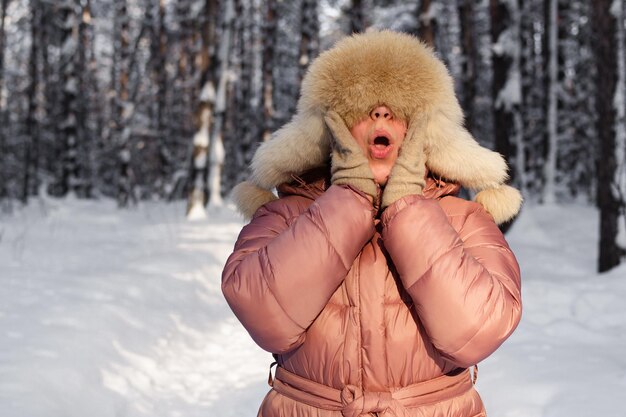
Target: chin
381	175
381	181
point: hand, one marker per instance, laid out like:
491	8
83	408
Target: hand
349	165
407	174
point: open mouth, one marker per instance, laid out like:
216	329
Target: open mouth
381	141
380	146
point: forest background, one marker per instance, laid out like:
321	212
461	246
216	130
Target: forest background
168	99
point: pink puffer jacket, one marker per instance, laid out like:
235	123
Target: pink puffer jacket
348	300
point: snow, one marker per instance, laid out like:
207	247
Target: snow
566	357
119	313
207	93
197	211
201	139
107	312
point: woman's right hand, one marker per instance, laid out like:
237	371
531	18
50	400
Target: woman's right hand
349	166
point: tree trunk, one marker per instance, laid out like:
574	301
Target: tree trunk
120	110
506	89
482	108
3	148
285	60
160	154
468	43
503	118
68	127
576	122
550	167
162	90
534	93
3	13
216	144
244	120
506	85
309	42
30	171
606	52
356	15
198	196
269	34
619	104
427	22
185	91
86	86
53	144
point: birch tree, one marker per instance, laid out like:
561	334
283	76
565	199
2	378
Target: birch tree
608	21
619	105
198	197
216	144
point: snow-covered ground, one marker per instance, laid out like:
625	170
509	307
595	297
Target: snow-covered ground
118	313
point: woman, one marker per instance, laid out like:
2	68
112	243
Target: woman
375	288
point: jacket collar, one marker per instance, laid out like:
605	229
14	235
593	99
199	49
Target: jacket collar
313	183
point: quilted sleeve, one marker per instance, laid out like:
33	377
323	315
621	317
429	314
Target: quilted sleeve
283	269
464	281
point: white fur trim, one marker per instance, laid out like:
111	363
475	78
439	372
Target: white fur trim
300	145
249	197
454	154
503	202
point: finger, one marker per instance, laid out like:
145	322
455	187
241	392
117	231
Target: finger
344	142
413	146
337	126
416	124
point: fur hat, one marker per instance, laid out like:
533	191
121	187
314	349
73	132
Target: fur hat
357	74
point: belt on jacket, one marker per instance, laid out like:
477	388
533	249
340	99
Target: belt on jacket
352	401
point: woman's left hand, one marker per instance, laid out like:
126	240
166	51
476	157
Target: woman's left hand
407	175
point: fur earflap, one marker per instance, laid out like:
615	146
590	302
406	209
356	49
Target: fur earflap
300	145
453	153
503	202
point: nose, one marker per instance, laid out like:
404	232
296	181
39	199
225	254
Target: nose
381	113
